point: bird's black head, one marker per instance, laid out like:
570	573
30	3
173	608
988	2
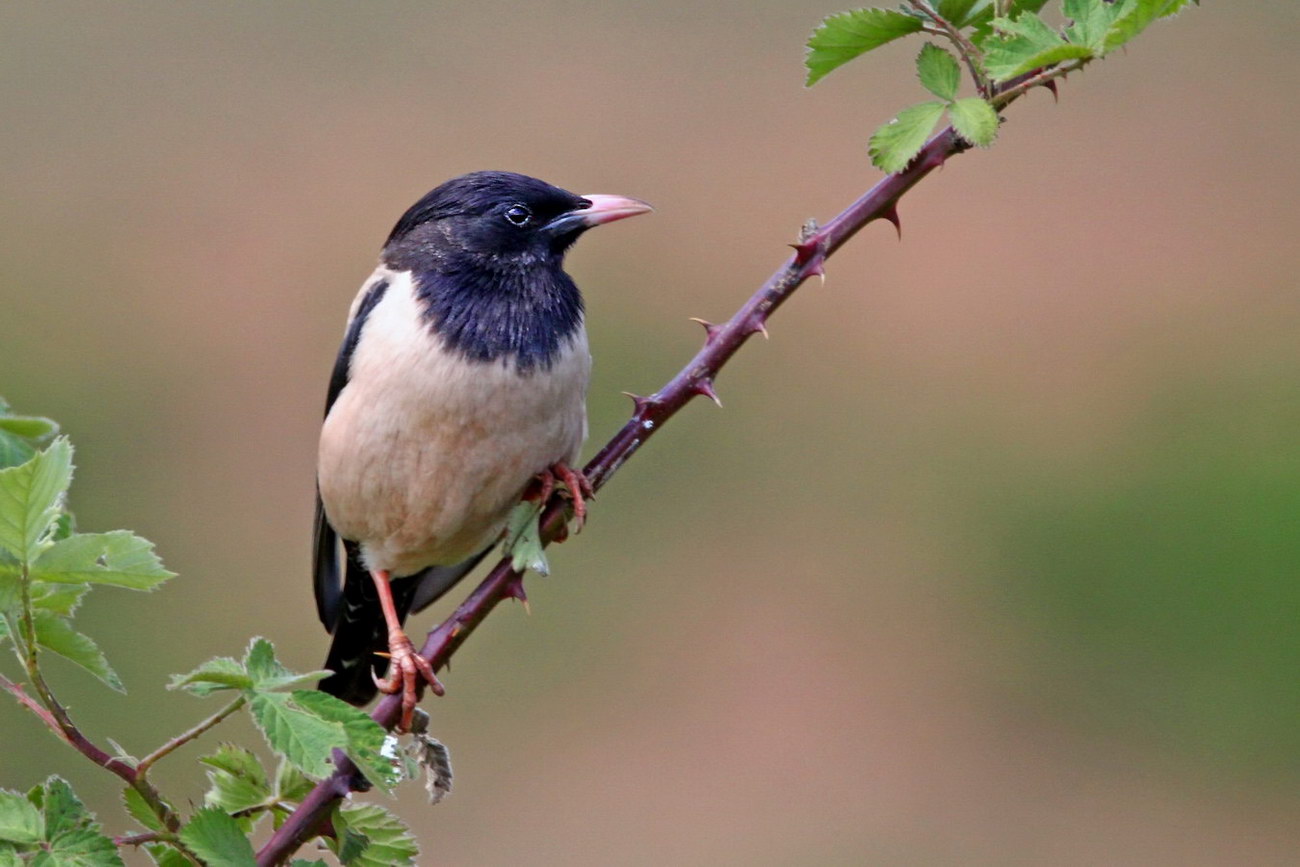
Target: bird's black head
510	220
485	251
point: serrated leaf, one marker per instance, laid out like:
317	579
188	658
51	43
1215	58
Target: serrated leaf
1026	43
30	497
21	435
846	35
365	737
1090	21
981	17
140	810
386	841
63	599
1135	16
56	635
9	856
291	784
20	820
119	559
955	12
974	120
80	848
216	674
522	541
266	671
303	738
215	837
166	856
62	808
238	780
939	72
894	144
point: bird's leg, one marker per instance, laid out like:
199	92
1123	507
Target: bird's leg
405	667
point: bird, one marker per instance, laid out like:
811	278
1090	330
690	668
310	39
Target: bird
461	382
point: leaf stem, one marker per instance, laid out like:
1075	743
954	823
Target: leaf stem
969	53
180	740
56	716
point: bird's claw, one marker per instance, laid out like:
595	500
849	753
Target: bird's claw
406	669
575	484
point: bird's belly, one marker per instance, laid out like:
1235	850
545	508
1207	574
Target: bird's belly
424	453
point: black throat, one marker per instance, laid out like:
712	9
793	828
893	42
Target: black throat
517	312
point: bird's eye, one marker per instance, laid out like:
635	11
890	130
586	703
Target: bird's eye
519	215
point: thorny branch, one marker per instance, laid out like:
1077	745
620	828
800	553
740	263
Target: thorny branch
815	245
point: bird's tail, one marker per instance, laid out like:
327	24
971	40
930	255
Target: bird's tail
360	632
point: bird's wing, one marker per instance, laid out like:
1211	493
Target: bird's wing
326	575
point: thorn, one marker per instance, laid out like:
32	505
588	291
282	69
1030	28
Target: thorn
1050	84
528	611
515	589
455	630
709	328
638	402
760	328
705	387
891	214
818	269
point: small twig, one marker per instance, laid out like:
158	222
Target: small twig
141	838
1018	87
56	714
16	689
180	740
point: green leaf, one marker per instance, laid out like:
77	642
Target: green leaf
385	841
523	539
1135	15
365	737
955	12
974	120
981	16
57	825
1091	20
119	559
216	674
30	497
846	35
21	435
20	820
61	599
266	671
81	848
938	71
166	856
304	739
215	837
238	780
894	144
291	784
56	634
140	810
1026	44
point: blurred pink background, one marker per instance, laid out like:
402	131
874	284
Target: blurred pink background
991	557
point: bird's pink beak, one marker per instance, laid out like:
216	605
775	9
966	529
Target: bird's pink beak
607	209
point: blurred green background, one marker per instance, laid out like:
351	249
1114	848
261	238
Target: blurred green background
991	557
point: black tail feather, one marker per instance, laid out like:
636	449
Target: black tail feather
360	632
